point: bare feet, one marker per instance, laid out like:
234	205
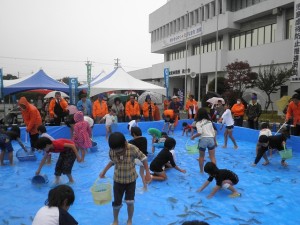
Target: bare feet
236	147
129	222
224	146
284	164
253	165
266	163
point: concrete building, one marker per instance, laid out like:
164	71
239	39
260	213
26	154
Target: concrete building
257	31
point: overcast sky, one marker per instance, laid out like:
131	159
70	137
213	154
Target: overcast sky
59	35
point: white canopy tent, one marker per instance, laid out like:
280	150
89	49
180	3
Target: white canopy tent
119	79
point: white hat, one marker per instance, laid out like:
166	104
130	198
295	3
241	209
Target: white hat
174	97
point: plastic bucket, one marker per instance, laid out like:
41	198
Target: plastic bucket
94	147
191	147
25	156
39	179
101	191
286	153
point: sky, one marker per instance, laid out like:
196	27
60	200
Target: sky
59	36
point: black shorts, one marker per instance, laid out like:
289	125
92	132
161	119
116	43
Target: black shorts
120	189
229	127
65	162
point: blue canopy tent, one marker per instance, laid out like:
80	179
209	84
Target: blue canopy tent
39	80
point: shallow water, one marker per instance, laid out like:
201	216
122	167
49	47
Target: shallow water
270	194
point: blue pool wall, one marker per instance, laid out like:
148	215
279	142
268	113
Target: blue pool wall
240	133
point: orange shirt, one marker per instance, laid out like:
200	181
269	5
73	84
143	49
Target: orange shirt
145	109
293	111
238	109
166	104
132	109
99	110
156	113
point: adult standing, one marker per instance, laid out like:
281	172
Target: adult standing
85	105
132	109
253	112
238	111
32	119
100	108
191	107
293	112
148	109
119	108
58	109
175	104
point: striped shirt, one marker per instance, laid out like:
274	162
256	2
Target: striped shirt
125	172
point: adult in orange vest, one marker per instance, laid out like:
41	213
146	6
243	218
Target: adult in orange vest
238	111
58	109
293	112
191	106
148	109
100	108
132	109
32	119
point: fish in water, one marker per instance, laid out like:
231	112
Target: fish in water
239	219
173	200
254	212
213	214
235	208
157	215
183	215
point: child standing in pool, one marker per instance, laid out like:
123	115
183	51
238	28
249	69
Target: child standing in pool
110	119
122	156
227	119
225	179
67	154
6	137
206	132
82	134
133	123
164	157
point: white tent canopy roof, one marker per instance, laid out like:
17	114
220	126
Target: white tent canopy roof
119	79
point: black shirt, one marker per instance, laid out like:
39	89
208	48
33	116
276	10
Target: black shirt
141	143
224	174
161	159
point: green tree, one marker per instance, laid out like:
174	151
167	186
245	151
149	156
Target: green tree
239	77
271	78
9	77
65	80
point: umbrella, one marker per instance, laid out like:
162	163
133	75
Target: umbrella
52	94
155	97
282	102
214	100
122	97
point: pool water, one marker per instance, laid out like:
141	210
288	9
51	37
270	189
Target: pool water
270	194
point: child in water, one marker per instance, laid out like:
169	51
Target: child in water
225	179
6	137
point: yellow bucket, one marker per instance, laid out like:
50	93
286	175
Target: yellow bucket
101	191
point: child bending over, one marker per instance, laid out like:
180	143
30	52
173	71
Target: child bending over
157	166
67	155
225	179
187	128
43	133
6	137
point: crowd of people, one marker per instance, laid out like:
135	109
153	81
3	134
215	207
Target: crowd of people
125	155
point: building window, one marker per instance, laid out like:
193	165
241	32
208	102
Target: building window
284	91
274	27
254	37
248	39
242	40
290	29
268	34
261	35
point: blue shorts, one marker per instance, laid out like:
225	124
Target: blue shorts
206	142
5	143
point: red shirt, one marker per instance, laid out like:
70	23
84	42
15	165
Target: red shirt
58	145
187	127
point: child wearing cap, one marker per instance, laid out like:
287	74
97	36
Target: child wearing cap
164	157
225	179
122	156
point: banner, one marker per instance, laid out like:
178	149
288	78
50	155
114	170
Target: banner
166	77
1	84
73	84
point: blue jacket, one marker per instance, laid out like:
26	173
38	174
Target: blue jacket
88	105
